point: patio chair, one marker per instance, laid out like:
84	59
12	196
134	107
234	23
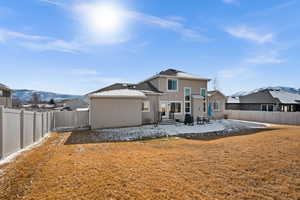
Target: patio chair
200	121
189	120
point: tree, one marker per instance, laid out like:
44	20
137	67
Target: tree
36	98
216	84
52	102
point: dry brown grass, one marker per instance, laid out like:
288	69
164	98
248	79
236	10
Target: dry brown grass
265	165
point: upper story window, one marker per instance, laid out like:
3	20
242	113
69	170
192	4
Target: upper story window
172	85
1	93
187	94
203	92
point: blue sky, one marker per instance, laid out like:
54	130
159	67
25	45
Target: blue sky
66	46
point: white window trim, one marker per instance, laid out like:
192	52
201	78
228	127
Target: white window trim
201	91
190	101
219	106
146	111
190	107
177	88
180	106
190	93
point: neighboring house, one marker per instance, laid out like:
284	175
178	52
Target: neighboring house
5	96
73	104
267	100
217	102
171	93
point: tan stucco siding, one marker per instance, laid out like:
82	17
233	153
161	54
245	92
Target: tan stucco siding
196	85
152	115
6	101
217	97
119	112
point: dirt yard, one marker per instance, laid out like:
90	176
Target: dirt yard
265	165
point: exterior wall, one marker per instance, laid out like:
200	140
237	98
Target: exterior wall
290	118
217	97
178	96
115	112
152	116
6	101
197	105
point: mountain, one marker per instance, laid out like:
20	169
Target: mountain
26	95
286	89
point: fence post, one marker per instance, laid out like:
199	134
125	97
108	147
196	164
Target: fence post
22	129
34	126
1	132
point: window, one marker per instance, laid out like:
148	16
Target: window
264	107
203	92
216	106
187	106
146	106
172	85
204	107
175	107
270	108
1	93
187	94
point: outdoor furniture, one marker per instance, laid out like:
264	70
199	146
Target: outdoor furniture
200	120
189	120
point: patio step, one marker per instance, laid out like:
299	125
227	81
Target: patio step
167	122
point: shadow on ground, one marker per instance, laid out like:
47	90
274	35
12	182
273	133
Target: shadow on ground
90	137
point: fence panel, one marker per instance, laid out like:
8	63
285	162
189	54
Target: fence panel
28	128
11	131
71	119
38	126
289	118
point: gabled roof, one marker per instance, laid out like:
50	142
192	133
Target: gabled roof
213	92
145	87
233	100
4	87
173	73
123	93
285	97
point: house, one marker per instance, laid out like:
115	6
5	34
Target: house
73	104
170	94
266	100
5	96
217	102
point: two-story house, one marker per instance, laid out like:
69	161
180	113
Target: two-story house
168	94
5	96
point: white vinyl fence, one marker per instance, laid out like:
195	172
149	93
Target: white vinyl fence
71	119
289	118
19	129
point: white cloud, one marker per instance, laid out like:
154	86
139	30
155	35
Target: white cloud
84	72
53	2
170	24
233	2
232	73
270	57
252	34
55	45
8	34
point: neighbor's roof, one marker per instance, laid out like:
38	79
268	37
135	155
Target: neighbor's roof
4	87
285	97
213	92
124	93
233	100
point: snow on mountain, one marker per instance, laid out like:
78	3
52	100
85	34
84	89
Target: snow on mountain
26	95
281	88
